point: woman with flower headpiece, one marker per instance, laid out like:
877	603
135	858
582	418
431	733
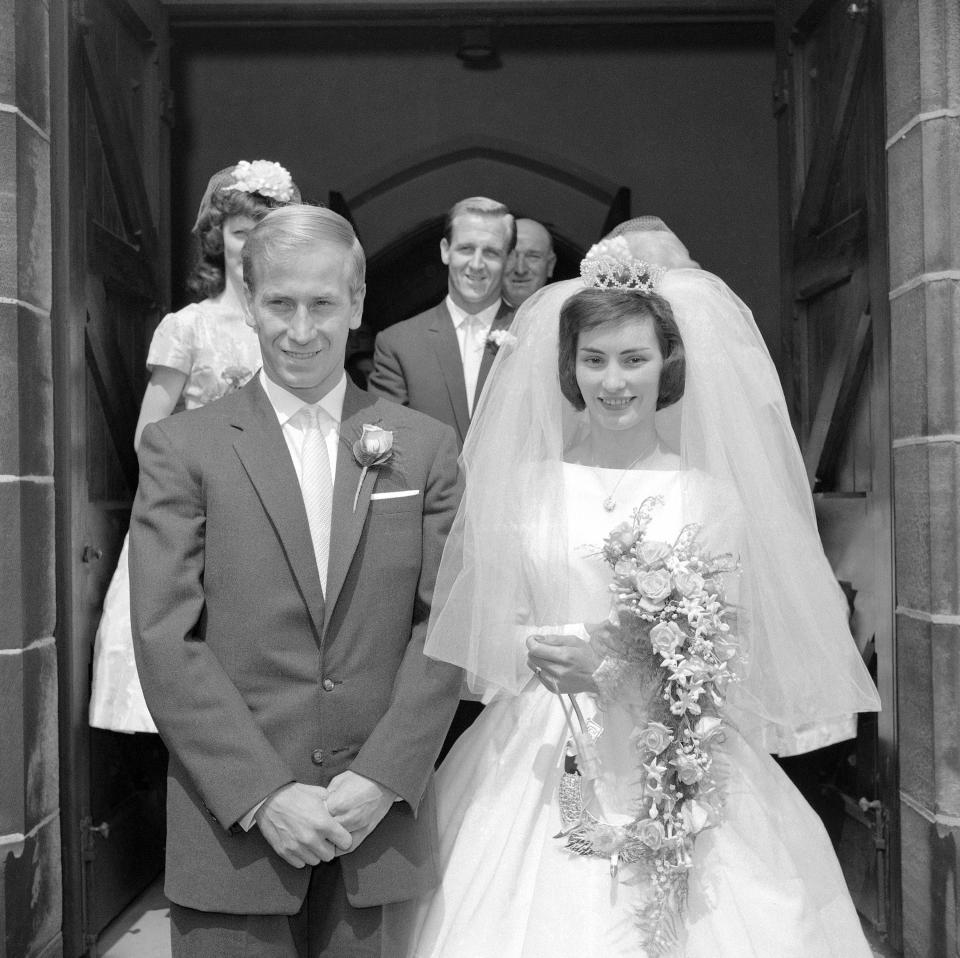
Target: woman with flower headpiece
197	355
635	585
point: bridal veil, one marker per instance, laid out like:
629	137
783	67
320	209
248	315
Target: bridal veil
802	676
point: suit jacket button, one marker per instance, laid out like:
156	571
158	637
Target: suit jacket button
328	685
316	756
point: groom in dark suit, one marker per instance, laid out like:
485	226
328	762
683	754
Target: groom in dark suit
284	546
437	361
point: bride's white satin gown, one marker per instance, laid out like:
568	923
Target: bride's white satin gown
765	883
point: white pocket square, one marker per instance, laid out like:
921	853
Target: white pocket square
402	494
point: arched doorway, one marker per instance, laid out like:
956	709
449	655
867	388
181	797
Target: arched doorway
407	277
404	272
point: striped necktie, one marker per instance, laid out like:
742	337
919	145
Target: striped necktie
317	486
473	343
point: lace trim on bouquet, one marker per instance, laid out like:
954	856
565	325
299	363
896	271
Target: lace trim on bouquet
670	635
627	676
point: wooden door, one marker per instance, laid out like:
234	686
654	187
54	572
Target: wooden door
112	196
836	348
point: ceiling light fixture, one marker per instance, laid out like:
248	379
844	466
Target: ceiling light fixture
477	50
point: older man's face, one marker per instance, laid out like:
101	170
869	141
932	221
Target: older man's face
476	256
531	263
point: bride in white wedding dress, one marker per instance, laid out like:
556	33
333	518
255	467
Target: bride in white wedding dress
564	450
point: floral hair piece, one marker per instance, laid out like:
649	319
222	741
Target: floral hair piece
609	264
264	177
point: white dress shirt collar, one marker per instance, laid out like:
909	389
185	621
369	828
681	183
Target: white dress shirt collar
286	405
485	317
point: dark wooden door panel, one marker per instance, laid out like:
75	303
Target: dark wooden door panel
828	99
117	248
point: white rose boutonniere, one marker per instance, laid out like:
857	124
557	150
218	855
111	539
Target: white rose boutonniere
501	337
373	448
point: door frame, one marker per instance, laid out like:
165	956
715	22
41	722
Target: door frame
69	244
68	304
803	196
73	244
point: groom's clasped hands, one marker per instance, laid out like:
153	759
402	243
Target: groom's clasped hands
308	824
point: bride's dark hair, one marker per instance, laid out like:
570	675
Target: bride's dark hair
592	307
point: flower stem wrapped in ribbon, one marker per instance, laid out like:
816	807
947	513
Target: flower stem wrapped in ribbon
373	448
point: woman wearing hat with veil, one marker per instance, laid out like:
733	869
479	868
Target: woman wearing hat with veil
197	355
642	599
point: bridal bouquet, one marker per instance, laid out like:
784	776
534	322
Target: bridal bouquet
672	639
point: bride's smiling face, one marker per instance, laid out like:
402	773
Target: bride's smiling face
618	368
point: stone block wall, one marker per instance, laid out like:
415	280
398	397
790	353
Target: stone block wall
30	887
923	151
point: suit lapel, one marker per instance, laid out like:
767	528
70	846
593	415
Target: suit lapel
346	522
444	339
502	321
266	459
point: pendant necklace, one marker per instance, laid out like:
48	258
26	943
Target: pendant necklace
610	503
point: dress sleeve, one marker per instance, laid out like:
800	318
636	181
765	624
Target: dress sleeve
174	342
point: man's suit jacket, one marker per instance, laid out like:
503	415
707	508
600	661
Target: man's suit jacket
417	363
254	676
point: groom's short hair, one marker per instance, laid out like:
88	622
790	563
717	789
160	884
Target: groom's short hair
299	227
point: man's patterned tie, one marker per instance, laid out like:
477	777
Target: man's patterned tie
317	486
473	344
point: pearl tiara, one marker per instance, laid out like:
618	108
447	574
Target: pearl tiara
609	264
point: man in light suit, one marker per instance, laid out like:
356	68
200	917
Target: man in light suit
437	361
283	551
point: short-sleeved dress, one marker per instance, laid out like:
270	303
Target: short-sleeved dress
218	352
